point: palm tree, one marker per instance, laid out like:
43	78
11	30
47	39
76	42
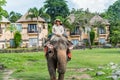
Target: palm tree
35	13
82	21
44	15
2	3
56	8
13	16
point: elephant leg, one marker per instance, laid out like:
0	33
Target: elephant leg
61	76
51	68
61	72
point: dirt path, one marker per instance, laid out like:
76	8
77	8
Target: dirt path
83	76
7	75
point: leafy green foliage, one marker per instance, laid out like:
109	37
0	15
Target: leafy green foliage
92	36
35	13
56	8
115	36
5	13
44	15
2	3
113	15
49	28
17	38
13	16
113	11
82	19
11	28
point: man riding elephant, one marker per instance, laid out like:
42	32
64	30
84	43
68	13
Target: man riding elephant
58	30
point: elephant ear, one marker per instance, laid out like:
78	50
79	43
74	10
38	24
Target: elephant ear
50	46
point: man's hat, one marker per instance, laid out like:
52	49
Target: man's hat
58	21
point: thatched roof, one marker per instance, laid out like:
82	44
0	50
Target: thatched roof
97	18
25	19
4	20
71	18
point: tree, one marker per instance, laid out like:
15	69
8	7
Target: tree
113	15
115	36
82	19
56	8
44	15
2	3
12	29
49	28
5	13
113	11
73	11
17	39
33	13
92	36
13	16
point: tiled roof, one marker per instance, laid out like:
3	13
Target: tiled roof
4	20
97	18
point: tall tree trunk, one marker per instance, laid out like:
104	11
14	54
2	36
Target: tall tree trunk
38	35
99	41
11	40
80	34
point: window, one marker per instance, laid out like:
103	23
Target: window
75	41
32	28
76	31
43	26
102	40
12	43
33	41
101	30
19	27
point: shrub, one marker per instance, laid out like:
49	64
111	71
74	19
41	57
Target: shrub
17	39
92	36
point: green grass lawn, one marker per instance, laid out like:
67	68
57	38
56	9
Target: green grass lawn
33	66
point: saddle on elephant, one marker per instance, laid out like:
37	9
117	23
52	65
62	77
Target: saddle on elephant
52	43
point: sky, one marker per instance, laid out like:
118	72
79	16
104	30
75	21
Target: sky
22	6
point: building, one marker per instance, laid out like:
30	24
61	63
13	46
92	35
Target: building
5	35
102	30
34	31
78	34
